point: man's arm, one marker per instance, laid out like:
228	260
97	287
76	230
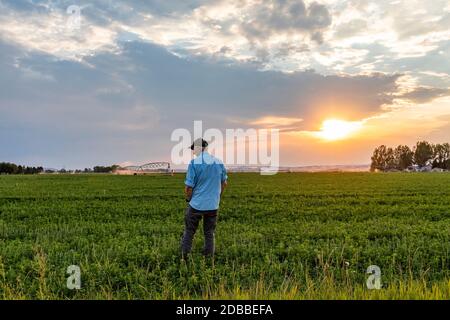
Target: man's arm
189	182
188	192
224	185
224	180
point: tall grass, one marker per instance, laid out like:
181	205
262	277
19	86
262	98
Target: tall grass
289	236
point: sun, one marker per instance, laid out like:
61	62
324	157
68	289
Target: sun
333	129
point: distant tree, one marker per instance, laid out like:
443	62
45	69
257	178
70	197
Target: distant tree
441	156
390	162
11	168
404	157
102	169
423	153
379	158
8	168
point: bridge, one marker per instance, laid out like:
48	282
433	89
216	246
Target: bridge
153	167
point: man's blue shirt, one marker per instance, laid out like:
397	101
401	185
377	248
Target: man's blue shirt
205	176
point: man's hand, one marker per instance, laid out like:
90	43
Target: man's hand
188	193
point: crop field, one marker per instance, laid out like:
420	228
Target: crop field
288	236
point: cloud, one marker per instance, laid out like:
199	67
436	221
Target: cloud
425	94
273	122
329	36
441	133
137	118
52	32
259	31
204	89
351	28
119	103
267	18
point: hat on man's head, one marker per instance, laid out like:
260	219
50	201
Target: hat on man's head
199	142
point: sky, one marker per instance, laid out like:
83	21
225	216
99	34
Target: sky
110	84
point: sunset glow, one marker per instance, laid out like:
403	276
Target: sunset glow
334	129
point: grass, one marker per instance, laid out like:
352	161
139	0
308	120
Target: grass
289	236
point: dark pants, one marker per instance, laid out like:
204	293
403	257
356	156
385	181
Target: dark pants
191	222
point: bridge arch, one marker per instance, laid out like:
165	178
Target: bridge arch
152	167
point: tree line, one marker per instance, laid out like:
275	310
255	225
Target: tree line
12	168
109	169
403	157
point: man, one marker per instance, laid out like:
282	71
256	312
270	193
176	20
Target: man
206	180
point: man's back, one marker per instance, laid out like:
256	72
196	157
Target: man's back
205	176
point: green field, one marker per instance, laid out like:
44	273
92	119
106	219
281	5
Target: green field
289	236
